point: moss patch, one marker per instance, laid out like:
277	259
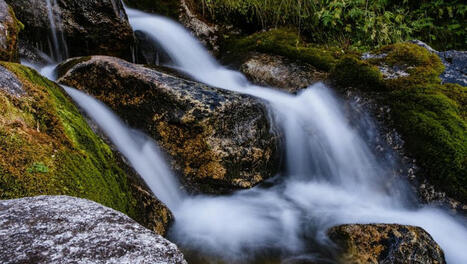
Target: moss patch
46	147
431	117
284	42
13	27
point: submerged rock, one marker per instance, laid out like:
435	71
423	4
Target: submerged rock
62	229
383	243
219	140
88	27
46	147
9	30
279	72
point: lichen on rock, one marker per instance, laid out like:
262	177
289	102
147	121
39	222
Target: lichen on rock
385	244
62	229
219	140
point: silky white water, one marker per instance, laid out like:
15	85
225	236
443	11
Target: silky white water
332	177
58	46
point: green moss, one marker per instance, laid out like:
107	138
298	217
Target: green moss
284	42
67	65
170	8
430	117
434	128
351	71
10	51
48	148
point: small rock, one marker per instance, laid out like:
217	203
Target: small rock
455	63
10	83
385	244
279	72
63	229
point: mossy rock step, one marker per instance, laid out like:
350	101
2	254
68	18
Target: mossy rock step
46	147
9	30
430	116
284	42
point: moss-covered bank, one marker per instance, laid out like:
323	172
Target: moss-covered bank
46	147
285	42
430	116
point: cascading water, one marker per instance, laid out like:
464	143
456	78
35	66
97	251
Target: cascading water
332	177
141	151
58	46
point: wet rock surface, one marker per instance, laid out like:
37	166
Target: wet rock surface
385	243
63	229
88	27
219	140
10	83
279	72
44	153
9	30
389	138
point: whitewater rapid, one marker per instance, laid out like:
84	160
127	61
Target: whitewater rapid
332	176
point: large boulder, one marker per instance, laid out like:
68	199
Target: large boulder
279	72
219	140
385	243
47	147
83	27
62	229
9	29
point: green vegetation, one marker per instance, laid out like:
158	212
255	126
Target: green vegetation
46	147
360	23
431	117
284	42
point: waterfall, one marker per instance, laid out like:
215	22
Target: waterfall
58	46
332	176
141	151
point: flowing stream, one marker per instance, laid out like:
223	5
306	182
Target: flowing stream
332	176
58	46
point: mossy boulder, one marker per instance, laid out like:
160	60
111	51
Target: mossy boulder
284	42
46	147
219	140
385	244
280	72
9	30
88	27
430	116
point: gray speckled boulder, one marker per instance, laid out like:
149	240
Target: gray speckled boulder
219	140
385	244
10	83
63	229
88	27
